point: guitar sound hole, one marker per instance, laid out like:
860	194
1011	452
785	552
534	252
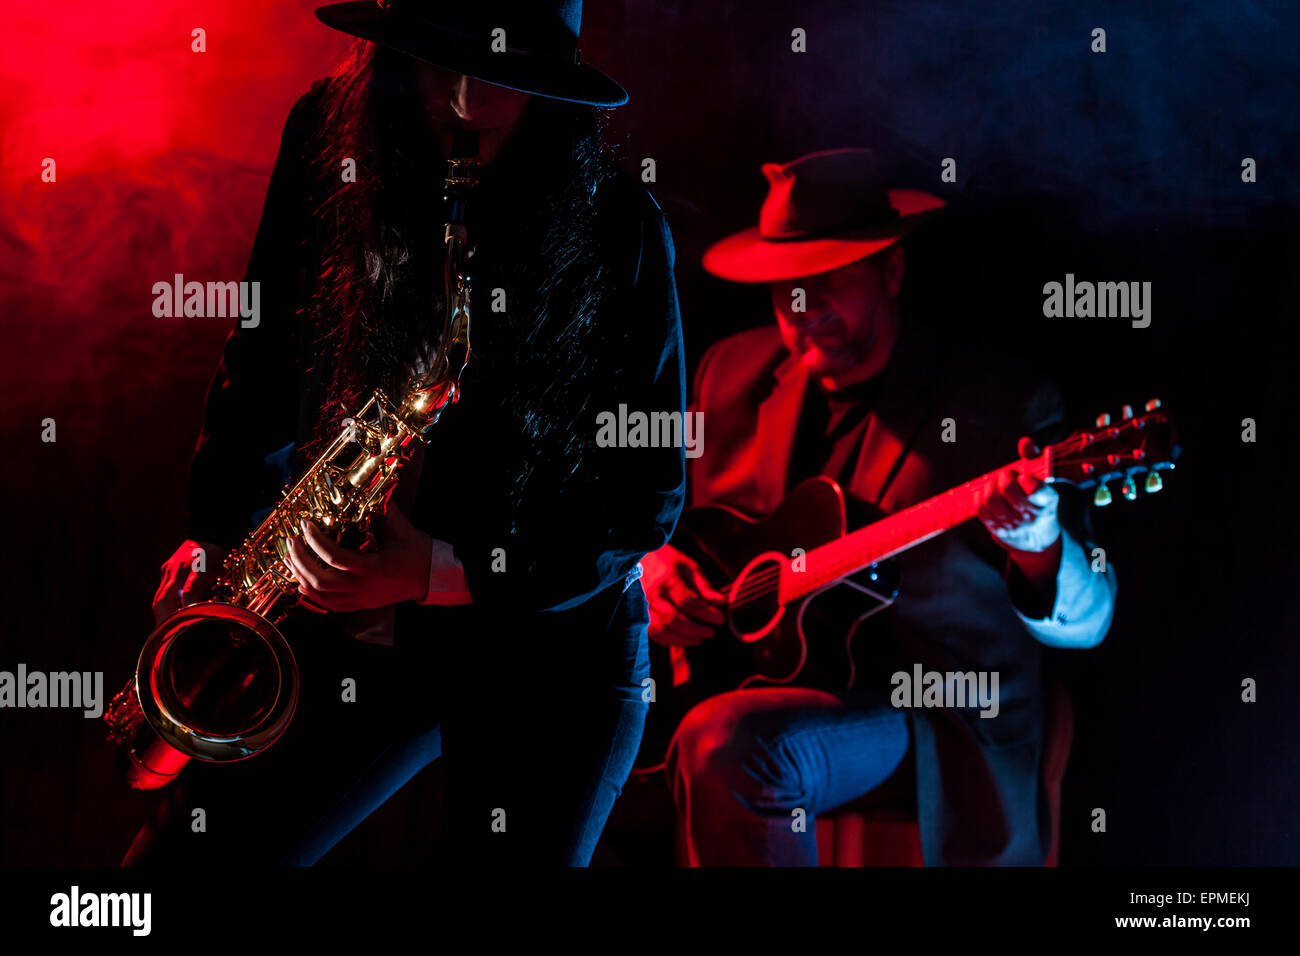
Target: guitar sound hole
755	599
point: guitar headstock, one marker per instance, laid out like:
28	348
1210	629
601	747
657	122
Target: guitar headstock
1130	448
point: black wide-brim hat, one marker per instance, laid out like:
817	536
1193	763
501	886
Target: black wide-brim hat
527	46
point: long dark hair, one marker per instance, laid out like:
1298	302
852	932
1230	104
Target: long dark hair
534	221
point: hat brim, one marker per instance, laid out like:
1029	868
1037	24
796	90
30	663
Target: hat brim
554	79
748	257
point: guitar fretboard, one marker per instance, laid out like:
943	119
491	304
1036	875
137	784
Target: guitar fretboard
898	532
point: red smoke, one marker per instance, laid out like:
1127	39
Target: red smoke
162	156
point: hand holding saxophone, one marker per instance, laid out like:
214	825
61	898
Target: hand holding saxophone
334	578
187	577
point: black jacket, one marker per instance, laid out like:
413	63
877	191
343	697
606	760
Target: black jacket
979	781
579	536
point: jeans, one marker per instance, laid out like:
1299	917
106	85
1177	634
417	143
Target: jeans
537	742
743	764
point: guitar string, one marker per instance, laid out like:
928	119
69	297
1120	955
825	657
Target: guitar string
758	585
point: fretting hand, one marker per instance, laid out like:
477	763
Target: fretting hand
1021	515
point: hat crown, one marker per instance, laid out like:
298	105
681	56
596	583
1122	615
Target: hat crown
824	193
536	24
525	45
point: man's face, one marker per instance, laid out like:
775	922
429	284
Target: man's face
849	321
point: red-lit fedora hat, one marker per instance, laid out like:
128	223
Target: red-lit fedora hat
526	45
822	211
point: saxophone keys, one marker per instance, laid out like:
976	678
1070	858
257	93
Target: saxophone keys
335	495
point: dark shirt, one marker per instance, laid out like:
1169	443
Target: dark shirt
830	431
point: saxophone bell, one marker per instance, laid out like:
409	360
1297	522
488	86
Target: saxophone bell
214	681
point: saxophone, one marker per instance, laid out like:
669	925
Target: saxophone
217	681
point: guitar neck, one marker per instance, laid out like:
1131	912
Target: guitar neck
900	531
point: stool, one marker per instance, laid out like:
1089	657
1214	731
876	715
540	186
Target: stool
868	832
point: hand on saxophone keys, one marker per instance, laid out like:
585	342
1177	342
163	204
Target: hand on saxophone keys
334	578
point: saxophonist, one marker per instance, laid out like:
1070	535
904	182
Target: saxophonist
500	623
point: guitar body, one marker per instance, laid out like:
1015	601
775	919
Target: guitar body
808	643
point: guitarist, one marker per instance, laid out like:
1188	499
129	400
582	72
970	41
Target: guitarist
842	387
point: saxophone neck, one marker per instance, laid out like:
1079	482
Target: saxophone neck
461	177
442	385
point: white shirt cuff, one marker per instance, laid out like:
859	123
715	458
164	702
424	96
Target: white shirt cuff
1085	602
447	582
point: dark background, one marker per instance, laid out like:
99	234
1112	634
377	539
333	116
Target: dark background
1117	166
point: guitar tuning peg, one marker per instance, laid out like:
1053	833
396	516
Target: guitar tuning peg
1126	412
1153	404
1154	482
1102	497
1129	489
1103	419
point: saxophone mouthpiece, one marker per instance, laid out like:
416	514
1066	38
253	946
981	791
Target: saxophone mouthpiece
464	144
